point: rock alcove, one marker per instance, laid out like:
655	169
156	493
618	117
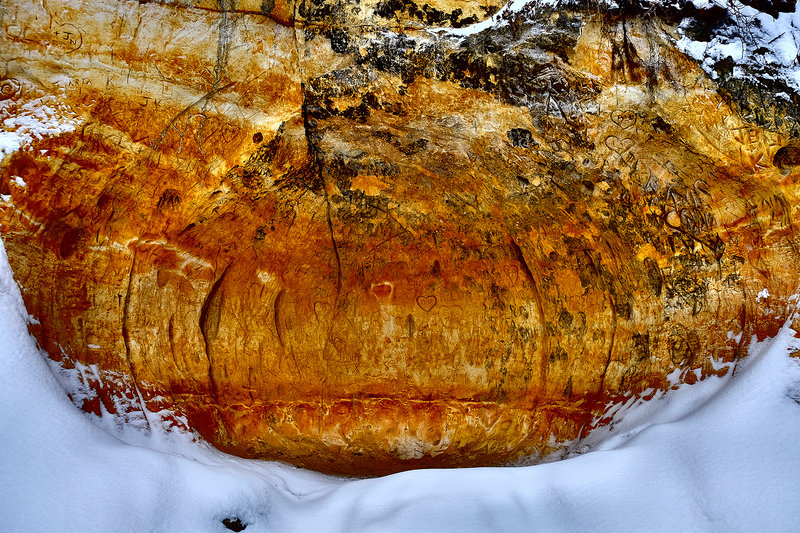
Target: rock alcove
363	237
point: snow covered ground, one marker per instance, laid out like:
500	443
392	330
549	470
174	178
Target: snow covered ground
722	455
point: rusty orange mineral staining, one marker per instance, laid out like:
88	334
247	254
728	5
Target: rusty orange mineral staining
328	237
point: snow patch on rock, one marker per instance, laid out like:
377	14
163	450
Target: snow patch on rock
754	41
33	120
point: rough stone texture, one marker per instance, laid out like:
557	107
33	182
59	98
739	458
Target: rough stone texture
328	236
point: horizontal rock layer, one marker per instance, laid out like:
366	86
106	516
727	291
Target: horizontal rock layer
326	235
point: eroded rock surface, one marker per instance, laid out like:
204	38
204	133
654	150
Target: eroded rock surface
326	234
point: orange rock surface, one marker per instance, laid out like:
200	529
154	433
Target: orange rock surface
332	238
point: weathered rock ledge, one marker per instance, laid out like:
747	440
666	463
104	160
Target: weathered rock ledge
327	235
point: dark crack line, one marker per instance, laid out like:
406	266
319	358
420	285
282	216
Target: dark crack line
126	340
611	345
226	30
312	152
227	26
543	356
204	332
276	307
335	251
740	347
615	320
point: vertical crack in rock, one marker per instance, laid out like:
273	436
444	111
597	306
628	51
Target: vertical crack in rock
171	335
209	326
227	25
604	285
276	309
336	303
741	346
516	251
126	340
309	129
335	251
615	321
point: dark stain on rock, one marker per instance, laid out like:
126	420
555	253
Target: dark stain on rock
392	9
788	156
359	113
661	125
340	40
71	241
559	354
641	347
654	277
520	137
267	6
679	350
565	319
169	199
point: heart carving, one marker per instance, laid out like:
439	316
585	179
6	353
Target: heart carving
382	290
512	271
426	303
620	146
322	310
623	119
229	132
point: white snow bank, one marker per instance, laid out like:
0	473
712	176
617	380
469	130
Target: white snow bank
721	455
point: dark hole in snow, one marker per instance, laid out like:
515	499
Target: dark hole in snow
234	524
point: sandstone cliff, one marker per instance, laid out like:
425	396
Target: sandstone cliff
368	236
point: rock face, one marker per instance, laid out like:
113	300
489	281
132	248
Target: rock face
325	234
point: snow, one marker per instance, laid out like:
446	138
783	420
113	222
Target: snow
21	124
720	455
498	19
752	39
